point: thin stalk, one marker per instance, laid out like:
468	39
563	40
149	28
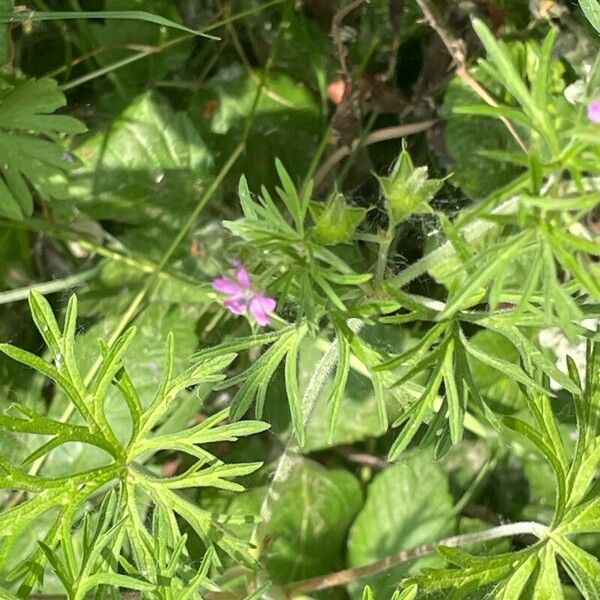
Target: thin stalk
48	287
292	449
385	243
345	576
156	49
380	135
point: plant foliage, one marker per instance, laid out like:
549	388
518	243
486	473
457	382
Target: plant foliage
392	311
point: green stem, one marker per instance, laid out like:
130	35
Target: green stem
49	287
385	243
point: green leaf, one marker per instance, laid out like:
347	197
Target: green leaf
416	414
583	568
361	404
145	169
408	504
135	15
514	586
541	82
509	369
339	382
289	195
510	77
530	353
474	572
591	10
570	263
476	173
222	105
307	524
504	252
454	398
547	584
29	152
293	395
5	40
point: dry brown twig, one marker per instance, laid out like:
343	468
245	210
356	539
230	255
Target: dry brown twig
457	49
387	133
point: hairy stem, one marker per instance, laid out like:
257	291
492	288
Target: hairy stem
309	399
346	575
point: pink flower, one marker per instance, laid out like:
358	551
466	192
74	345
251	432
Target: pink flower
594	111
242	297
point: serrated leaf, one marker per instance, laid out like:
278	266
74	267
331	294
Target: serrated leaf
408	504
25	158
146	168
309	515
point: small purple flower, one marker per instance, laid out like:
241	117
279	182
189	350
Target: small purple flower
594	111
242	297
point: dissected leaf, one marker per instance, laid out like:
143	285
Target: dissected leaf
30	153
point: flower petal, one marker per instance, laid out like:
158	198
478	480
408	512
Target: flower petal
260	307
243	277
594	111
235	305
226	286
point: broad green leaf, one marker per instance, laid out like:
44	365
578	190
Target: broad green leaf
492	383
118	36
30	156
222	105
359	406
544	446
509	369
408	504
476	174
530	353
146	168
308	519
